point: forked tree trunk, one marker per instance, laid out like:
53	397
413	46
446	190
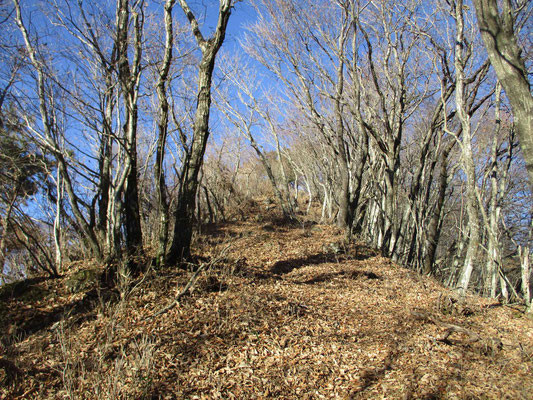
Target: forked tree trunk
129	79
184	213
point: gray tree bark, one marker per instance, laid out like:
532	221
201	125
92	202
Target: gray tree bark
467	155
497	31
186	202
159	173
50	143
129	79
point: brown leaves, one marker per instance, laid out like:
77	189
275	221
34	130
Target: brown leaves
319	326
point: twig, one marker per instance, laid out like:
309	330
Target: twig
525	353
450	328
190	283
184	291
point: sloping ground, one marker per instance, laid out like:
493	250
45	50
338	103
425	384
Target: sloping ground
283	314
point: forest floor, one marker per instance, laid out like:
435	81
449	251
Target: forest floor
279	314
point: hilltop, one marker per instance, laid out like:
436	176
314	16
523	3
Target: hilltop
280	311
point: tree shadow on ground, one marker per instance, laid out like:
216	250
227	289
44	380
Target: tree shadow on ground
287	266
193	353
21	323
22	289
215	233
346	274
213	229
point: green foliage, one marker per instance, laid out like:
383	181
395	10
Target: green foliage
22	166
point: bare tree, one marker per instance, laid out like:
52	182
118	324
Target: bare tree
98	56
248	114
159	174
461	55
49	141
498	32
129	77
186	201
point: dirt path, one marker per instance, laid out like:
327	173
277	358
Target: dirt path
284	316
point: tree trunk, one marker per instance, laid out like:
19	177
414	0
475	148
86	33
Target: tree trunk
467	155
497	31
184	213
5	228
523	253
105	154
434	228
50	142
159	173
129	79
57	222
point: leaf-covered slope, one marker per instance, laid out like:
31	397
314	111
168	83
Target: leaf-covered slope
285	313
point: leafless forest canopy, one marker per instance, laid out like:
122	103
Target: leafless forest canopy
128	126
